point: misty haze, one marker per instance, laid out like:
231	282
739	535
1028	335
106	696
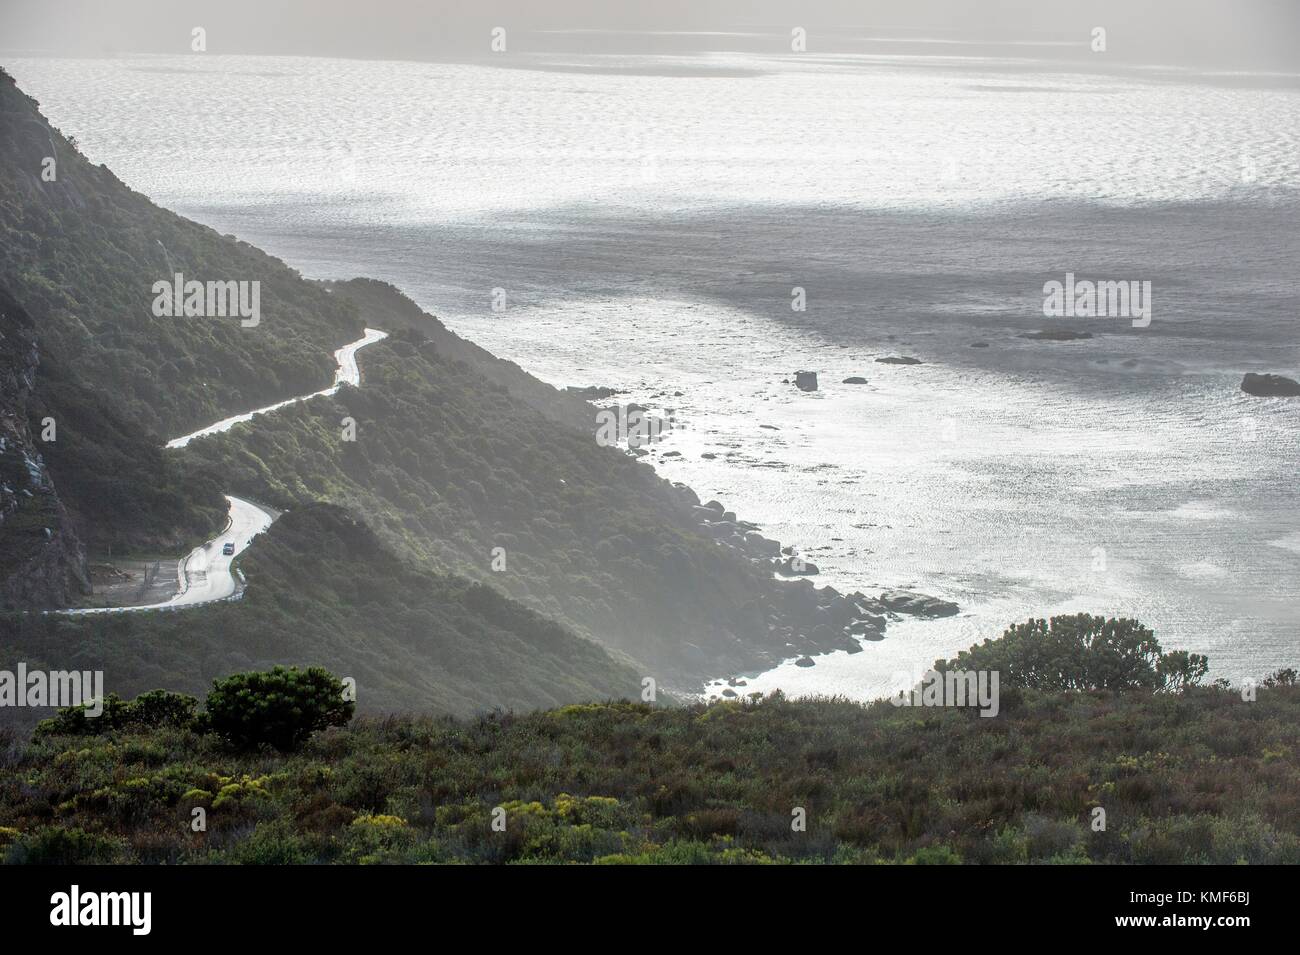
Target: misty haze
739	433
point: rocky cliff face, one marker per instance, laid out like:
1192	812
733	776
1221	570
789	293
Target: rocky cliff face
42	562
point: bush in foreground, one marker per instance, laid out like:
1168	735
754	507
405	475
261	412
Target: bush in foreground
1197	777
152	710
282	707
1082	652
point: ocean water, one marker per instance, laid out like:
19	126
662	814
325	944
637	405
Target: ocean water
650	217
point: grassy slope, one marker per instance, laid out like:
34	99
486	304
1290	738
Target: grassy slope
325	591
1197	778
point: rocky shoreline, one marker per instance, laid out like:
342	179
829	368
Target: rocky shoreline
805	621
802	620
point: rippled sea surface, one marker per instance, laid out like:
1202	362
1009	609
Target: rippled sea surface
649	223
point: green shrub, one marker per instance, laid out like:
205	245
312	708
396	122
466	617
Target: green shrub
153	710
1283	677
1082	652
934	855
282	707
58	846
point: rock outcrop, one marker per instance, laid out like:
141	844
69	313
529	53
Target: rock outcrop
917	605
1270	386
42	561
803	620
797	567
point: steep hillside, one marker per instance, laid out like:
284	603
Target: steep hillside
449	466
386	307
323	590
80	252
42	561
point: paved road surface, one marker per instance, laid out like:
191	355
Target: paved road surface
204	575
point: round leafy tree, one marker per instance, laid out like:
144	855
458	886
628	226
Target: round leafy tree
1082	652
282	707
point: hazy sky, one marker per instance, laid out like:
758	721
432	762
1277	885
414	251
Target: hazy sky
1263	34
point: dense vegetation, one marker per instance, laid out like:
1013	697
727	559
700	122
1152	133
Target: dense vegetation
1195	777
324	591
280	708
1147	774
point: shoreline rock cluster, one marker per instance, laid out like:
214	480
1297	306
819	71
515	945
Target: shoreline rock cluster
801	620
805	620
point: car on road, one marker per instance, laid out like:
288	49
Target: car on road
228	548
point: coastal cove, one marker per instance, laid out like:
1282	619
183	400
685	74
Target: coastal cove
1019	469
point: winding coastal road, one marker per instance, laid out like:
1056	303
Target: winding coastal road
204	574
347	374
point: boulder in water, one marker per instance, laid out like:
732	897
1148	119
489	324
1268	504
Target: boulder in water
796	567
1270	386
919	605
